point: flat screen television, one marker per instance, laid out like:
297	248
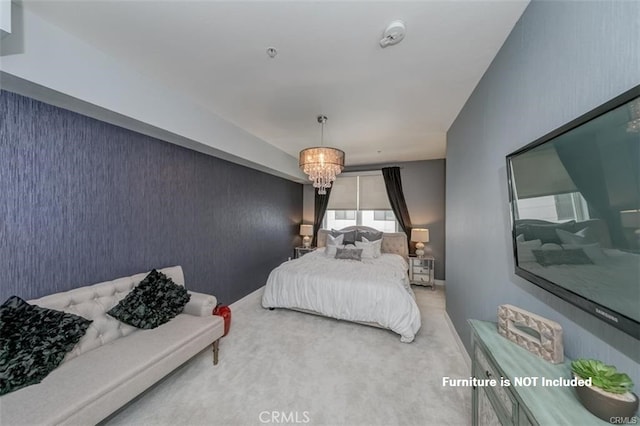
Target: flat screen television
575	212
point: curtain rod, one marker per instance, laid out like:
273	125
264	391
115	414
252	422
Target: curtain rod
349	172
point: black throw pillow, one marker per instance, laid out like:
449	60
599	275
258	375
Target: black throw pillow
156	300
349	236
34	341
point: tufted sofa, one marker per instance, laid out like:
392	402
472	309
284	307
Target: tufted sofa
113	362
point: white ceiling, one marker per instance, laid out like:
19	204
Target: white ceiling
383	105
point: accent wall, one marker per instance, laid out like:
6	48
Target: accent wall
561	60
84	201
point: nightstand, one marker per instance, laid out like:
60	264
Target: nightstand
301	251
421	271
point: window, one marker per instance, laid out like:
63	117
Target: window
360	200
345	214
384	215
554	208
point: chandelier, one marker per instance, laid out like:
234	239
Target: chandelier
321	163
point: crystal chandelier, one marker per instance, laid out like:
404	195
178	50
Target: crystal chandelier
634	110
322	164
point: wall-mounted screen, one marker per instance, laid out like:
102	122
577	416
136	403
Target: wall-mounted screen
575	206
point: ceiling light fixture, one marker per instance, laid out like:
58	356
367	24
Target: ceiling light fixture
321	163
394	34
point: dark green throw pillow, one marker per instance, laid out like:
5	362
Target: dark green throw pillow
34	341
156	300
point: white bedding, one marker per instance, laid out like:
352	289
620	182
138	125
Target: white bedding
372	290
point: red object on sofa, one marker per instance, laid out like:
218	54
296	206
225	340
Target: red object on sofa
225	312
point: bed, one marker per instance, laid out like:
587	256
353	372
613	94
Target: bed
371	291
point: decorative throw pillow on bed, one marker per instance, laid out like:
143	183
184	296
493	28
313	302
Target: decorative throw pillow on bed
370	249
34	341
562	257
349	237
349	254
156	300
368	235
332	244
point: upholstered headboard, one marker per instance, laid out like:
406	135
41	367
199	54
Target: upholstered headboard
392	242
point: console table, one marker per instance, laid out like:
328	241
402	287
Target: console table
496	357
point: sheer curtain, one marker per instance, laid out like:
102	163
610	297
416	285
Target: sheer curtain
393	184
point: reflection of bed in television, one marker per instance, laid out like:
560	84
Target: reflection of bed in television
578	256
588	171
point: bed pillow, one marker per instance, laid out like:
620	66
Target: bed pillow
370	249
332	244
368	235
562	257
349	237
34	341
525	253
349	254
153	302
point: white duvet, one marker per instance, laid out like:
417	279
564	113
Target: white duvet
371	290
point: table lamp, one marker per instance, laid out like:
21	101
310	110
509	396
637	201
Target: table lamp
421	236
306	231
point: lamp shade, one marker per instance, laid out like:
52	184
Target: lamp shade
322	163
306	230
420	235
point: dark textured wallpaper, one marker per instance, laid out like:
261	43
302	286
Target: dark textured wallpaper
83	201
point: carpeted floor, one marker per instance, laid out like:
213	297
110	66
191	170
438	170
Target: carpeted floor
285	367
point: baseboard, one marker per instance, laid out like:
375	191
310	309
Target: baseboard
463	350
245	299
440	282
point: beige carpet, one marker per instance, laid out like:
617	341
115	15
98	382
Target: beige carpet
285	367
